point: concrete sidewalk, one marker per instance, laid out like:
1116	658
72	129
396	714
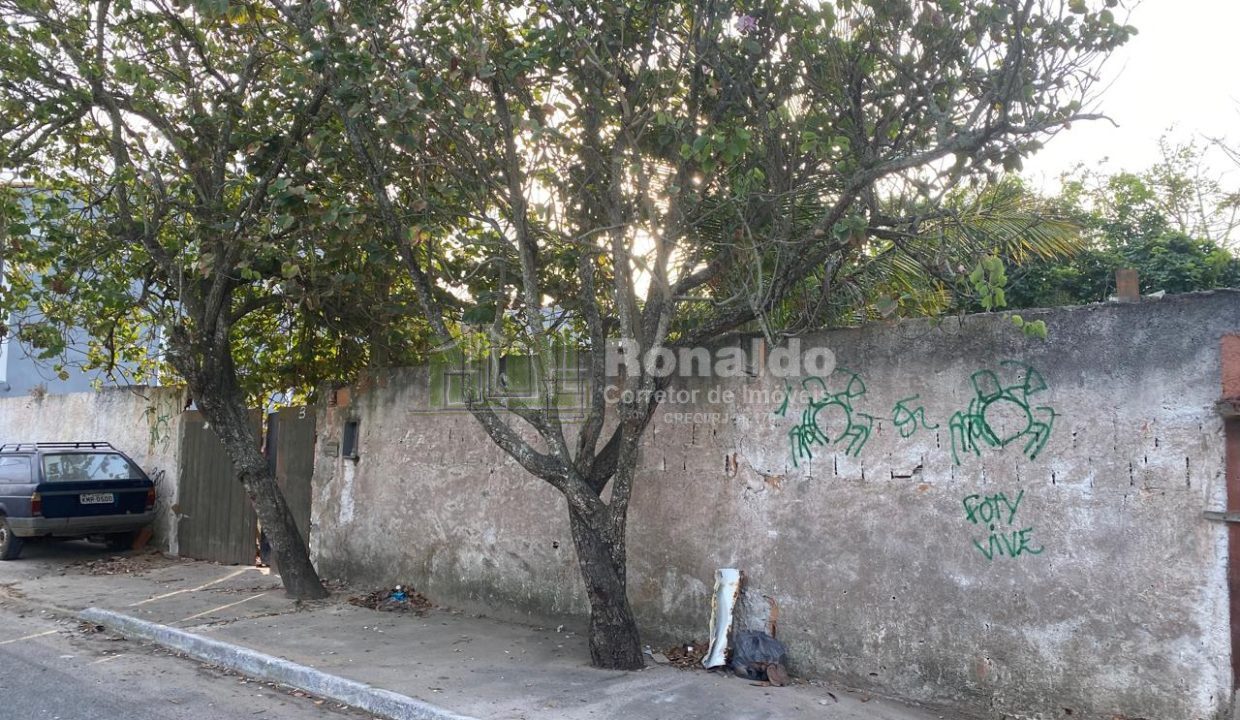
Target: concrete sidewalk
470	665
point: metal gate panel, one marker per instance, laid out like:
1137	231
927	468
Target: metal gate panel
292	430
217	521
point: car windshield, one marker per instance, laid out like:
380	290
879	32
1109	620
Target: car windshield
80	467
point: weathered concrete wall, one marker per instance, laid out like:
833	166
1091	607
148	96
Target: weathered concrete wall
143	422
1069	569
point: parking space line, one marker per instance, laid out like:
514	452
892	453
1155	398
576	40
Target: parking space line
29	637
222	607
204	586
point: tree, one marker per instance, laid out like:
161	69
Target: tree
1176	194
666	172
941	266
1170	262
1171	223
1195	201
178	209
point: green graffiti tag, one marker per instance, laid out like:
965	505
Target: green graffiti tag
783	408
908	420
998	514
1001	414
829	417
160	431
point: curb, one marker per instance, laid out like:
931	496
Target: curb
252	663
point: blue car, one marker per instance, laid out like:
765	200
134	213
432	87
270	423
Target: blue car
71	490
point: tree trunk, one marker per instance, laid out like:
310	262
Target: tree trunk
212	380
232	427
614	641
292	559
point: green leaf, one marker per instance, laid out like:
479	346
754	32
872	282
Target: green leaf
1036	329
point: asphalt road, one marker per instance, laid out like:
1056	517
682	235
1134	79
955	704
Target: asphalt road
53	669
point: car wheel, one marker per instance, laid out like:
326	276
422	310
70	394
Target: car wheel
119	541
10	544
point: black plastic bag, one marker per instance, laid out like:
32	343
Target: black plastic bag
753	651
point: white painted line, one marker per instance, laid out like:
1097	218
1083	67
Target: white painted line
204	586
29	637
222	607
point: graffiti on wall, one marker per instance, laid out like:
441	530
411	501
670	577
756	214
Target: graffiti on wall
829	417
1002	412
160	429
996	515
908	418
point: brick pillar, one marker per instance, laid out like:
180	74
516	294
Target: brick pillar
1230	357
1127	287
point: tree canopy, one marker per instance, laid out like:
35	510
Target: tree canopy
173	167
173	208
661	172
1172	222
669	172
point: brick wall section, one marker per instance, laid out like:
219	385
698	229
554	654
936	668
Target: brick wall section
1230	353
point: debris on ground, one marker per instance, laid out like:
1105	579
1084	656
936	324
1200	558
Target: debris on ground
758	656
749	653
137	562
686	655
777	675
99	631
335	585
248	589
402	598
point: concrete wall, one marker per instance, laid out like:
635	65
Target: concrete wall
1069	570
142	422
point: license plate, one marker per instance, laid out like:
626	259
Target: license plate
97	499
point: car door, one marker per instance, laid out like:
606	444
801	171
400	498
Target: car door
16	484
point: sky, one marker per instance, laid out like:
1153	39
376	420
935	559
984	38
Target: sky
1182	70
